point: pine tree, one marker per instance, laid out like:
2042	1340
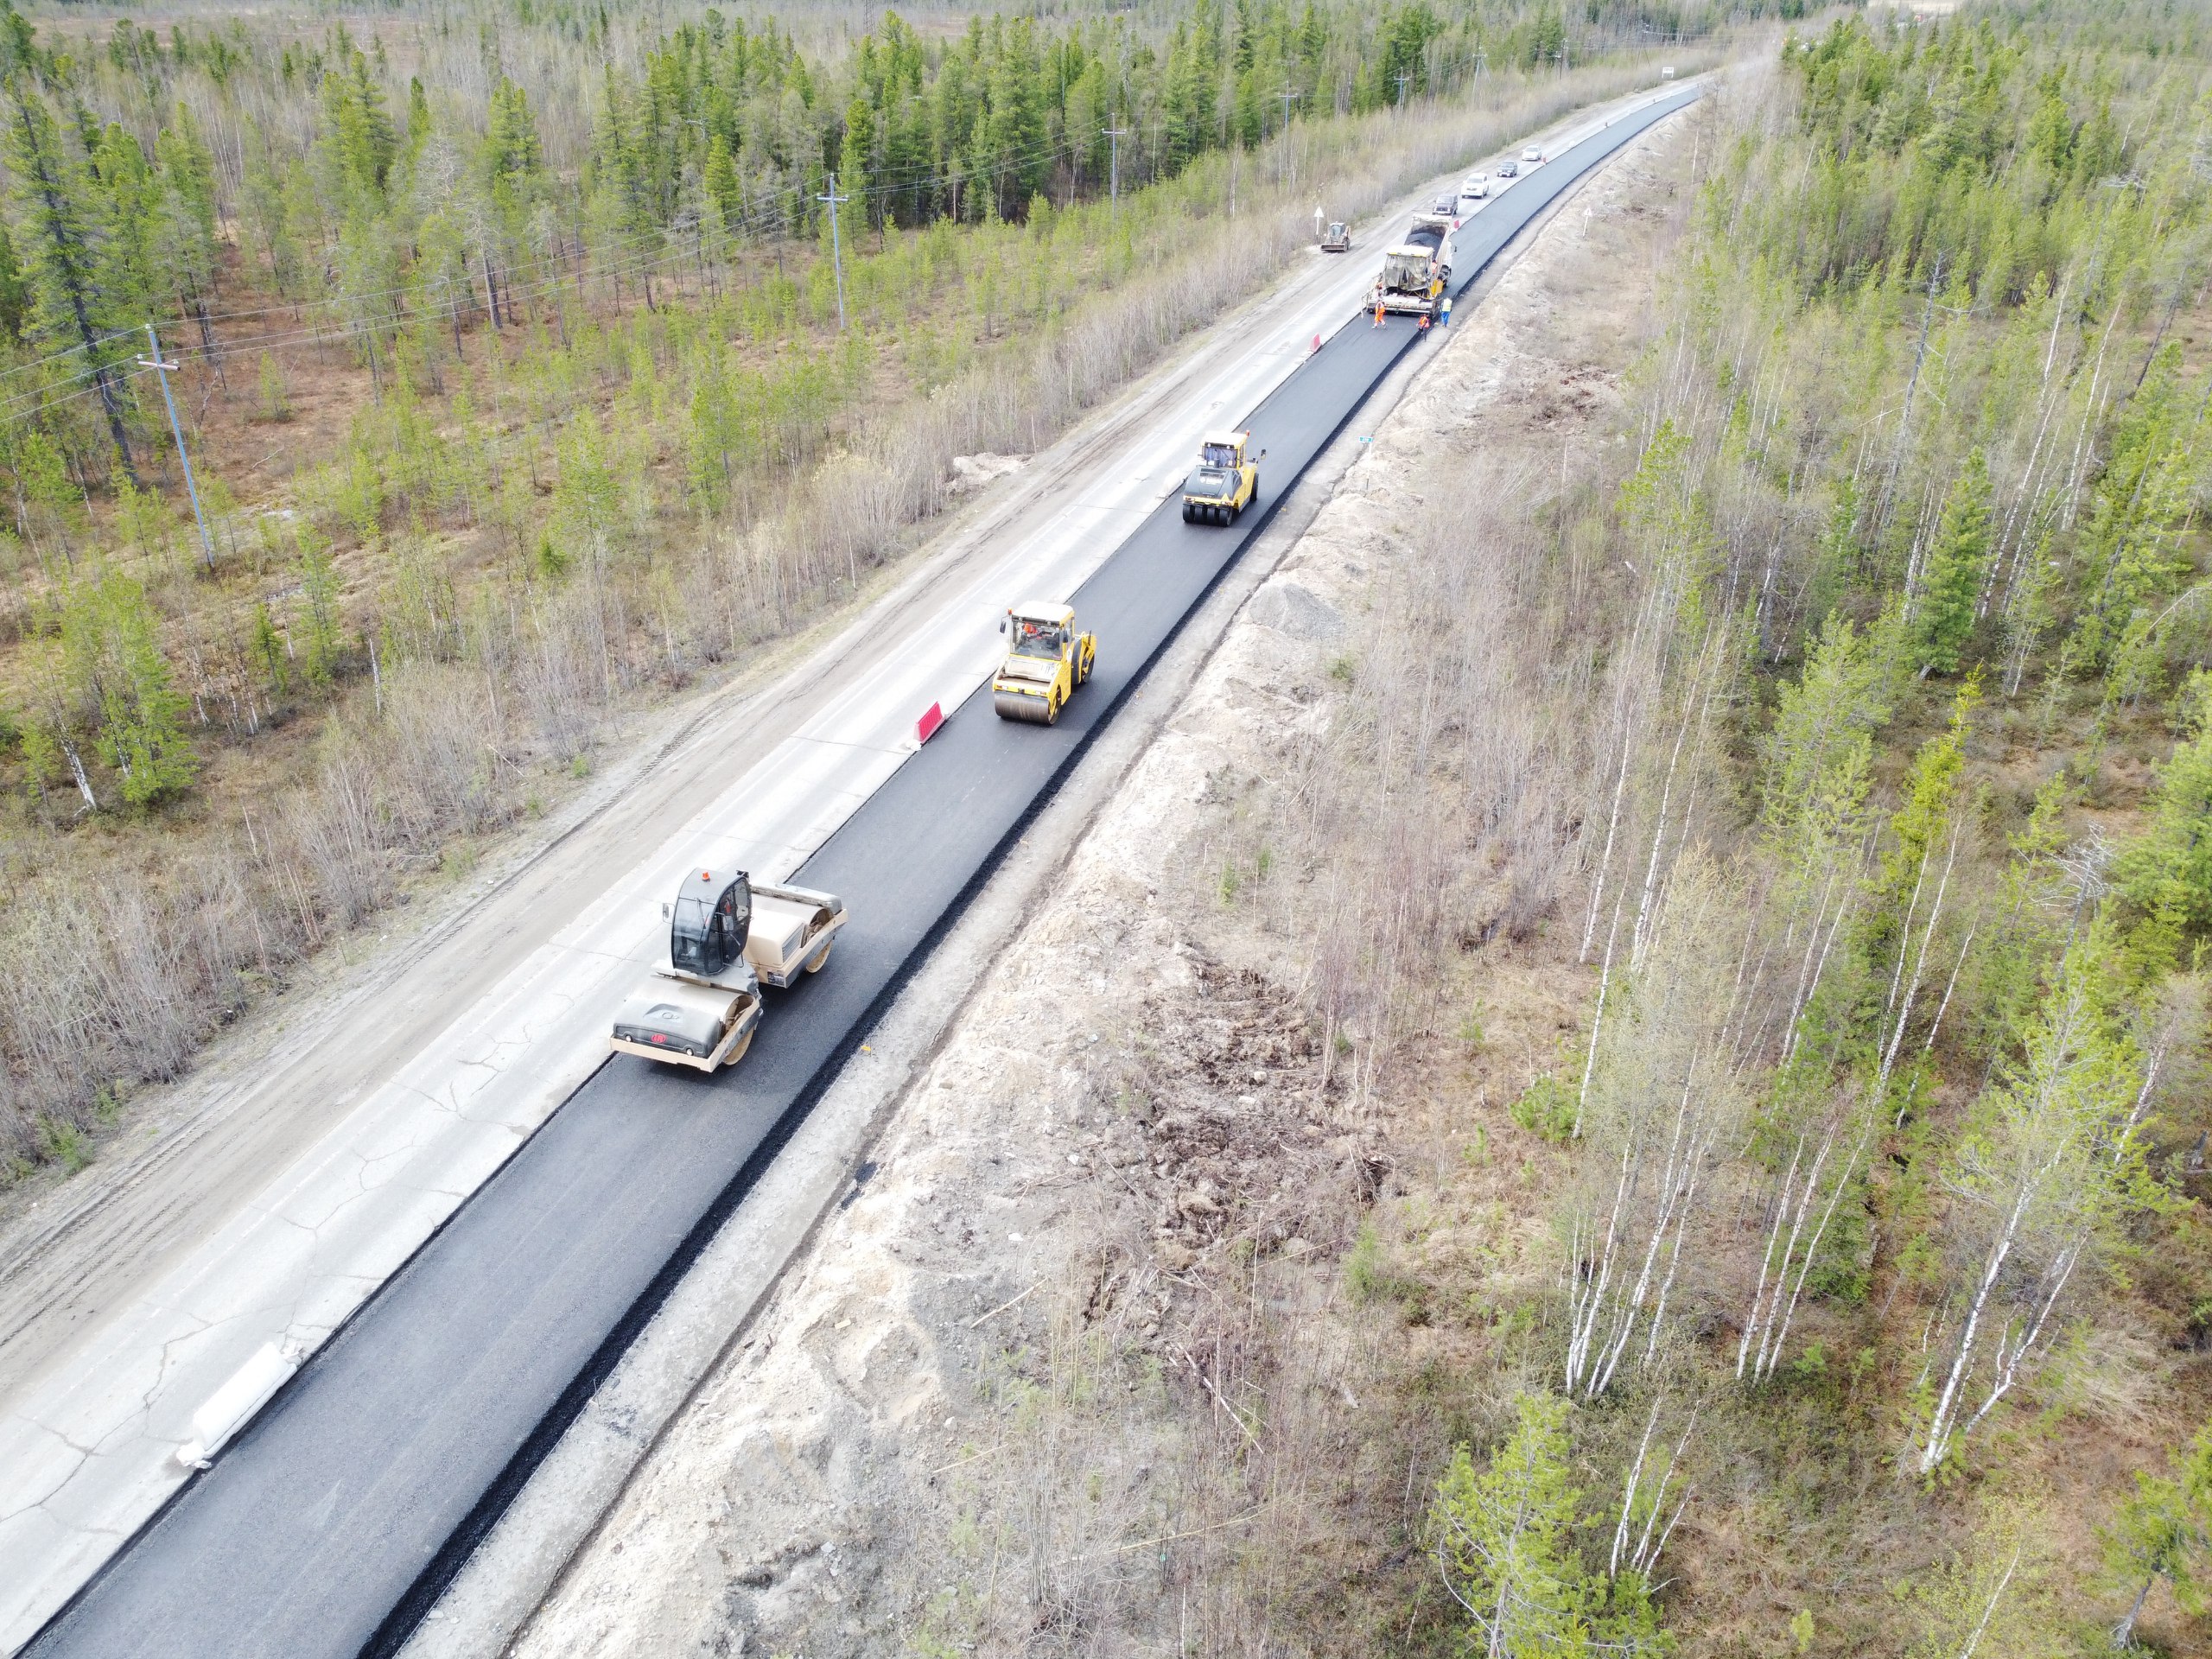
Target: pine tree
53	195
46	492
1504	1544
418	118
264	218
360	130
269	648
1944	617
856	171
1012	134
512	153
184	243
2167	872
2163	1531
725	200
15	297
128	218
111	639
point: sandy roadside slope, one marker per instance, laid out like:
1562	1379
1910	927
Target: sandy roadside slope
1013	1398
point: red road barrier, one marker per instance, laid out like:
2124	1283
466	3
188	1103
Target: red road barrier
925	727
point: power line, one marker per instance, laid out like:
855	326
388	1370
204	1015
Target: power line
192	486
1114	135
836	253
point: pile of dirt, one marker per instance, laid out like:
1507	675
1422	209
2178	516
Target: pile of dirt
1086	1361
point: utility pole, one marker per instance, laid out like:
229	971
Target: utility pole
837	252
1114	136
161	370
1402	79
1287	97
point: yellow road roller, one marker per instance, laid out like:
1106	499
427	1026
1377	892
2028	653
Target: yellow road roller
1046	660
1227	479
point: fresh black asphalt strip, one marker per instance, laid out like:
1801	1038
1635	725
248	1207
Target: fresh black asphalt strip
330	1525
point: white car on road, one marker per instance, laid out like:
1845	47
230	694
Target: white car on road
1475	187
1533	155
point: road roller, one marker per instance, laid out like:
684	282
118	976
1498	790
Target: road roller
1046	658
726	933
1227	479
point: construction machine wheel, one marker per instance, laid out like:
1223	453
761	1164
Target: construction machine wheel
1186	513
1012	705
815	966
1051	711
743	1043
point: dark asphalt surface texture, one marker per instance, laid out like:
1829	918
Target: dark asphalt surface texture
329	1527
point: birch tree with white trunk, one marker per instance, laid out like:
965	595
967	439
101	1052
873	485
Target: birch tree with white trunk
2048	1165
1664	1104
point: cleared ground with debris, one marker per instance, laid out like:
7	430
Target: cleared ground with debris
1084	1362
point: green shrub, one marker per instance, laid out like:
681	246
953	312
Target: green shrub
1364	1276
64	1143
1547	1107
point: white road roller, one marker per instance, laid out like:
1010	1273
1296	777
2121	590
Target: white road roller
726	933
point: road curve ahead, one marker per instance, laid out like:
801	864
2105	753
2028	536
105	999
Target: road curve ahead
328	1527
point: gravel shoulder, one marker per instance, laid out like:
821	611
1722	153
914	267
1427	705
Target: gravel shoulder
1073	1367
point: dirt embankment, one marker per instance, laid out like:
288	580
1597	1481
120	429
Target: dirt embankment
1098	1358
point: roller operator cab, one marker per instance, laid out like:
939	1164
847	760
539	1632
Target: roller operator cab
725	934
1227	479
1046	660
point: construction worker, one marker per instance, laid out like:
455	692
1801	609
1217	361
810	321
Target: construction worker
1446	314
1378	313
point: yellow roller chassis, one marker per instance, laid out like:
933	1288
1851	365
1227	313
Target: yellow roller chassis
1226	482
1047	659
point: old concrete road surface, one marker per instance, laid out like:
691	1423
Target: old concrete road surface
329	1525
